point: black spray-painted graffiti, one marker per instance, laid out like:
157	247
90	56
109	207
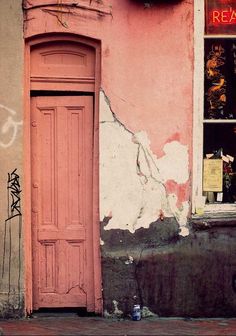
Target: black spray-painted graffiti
13	187
14	211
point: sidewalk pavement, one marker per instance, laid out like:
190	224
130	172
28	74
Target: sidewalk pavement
86	326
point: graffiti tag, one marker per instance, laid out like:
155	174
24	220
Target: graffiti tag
14	211
14	189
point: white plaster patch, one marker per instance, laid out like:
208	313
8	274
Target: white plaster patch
106	314
117	311
101	242
180	213
121	190
184	231
132	190
174	164
105	111
129	261
146	159
147	313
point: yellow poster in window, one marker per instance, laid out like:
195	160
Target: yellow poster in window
212	175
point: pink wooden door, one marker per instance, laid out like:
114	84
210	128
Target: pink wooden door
62	147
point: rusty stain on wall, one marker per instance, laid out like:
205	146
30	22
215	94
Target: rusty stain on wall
132	178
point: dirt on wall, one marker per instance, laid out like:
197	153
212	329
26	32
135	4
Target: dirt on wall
170	275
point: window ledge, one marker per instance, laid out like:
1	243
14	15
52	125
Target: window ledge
210	220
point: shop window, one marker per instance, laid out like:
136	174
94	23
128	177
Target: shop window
219	130
217	125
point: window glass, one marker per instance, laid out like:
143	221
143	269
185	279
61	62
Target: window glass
220	79
219	120
220	143
220	17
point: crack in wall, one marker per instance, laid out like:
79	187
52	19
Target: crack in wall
115	119
26	5
58	10
132	184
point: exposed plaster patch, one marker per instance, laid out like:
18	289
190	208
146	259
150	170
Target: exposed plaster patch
180	213
129	261
101	242
106	314
184	231
117	312
133	192
178	154
147	313
121	191
106	114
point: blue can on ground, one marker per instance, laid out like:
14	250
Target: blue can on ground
136	313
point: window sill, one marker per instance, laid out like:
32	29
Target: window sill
213	220
220	208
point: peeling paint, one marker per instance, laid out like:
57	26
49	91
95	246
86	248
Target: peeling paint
129	261
132	178
117	312
106	314
174	164
180	213
147	313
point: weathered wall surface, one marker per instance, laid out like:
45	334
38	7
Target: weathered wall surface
145	124
150	253
169	275
146	87
11	115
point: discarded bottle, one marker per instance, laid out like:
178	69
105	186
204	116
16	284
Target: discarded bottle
136	313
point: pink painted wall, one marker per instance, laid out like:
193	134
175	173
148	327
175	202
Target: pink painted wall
147	64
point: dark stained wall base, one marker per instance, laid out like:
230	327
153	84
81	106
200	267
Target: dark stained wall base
12	306
193	276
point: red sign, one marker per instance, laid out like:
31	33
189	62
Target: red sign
221	17
227	16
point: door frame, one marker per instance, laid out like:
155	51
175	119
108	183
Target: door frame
28	278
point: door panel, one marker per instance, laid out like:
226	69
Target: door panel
62	147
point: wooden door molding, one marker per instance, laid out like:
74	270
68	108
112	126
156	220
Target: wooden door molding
64	85
62	147
62	65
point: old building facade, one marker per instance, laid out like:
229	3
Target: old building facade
105	125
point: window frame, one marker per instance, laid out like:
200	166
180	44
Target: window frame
211	210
